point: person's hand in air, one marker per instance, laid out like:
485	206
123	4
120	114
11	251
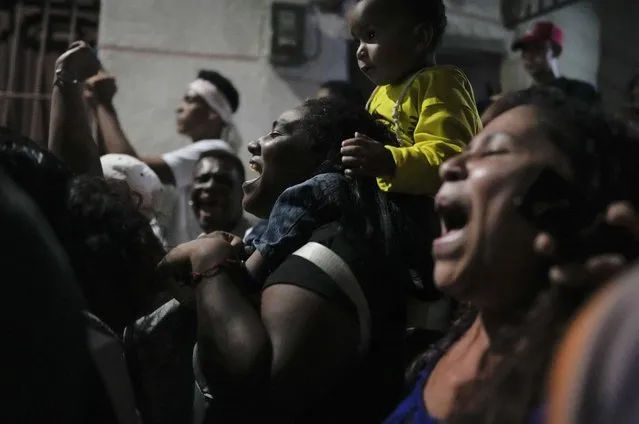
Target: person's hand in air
364	156
100	88
596	268
187	264
78	63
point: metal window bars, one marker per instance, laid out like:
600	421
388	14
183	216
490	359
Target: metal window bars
33	33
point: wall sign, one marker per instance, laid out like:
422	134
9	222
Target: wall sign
291	24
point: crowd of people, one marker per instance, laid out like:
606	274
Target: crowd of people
169	289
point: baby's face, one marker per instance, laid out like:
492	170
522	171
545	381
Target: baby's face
387	51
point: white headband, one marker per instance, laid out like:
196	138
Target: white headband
217	101
214	98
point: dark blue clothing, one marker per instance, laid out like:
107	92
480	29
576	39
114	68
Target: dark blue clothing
412	409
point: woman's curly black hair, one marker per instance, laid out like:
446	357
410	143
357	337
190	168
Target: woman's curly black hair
602	155
405	225
42	175
108	241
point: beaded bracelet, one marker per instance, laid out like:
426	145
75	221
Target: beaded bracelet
227	265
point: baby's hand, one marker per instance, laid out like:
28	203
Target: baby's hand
364	156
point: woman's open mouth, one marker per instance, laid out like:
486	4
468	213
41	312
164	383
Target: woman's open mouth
255	164
453	219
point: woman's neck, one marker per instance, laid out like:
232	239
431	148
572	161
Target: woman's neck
477	335
492	322
477	340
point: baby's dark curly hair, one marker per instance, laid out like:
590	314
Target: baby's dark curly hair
602	155
431	13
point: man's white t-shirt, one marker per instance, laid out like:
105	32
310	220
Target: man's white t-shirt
182	226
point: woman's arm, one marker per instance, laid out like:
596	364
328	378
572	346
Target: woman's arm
264	355
102	88
257	357
69	133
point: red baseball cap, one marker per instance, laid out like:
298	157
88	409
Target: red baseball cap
542	31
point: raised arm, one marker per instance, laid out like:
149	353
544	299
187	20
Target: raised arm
101	89
70	136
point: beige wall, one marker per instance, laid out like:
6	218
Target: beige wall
156	47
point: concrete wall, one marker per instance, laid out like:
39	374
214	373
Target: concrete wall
156	47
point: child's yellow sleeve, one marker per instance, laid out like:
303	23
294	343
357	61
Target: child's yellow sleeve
447	121
441	132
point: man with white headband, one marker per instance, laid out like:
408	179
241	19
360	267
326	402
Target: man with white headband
205	115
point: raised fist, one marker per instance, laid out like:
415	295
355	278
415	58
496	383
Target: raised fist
78	62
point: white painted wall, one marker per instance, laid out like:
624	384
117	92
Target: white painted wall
156	47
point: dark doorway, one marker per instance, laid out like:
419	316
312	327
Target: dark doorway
482	69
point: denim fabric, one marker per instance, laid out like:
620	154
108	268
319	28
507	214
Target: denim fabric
253	235
298	212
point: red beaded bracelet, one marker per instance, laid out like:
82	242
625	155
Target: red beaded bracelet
197	277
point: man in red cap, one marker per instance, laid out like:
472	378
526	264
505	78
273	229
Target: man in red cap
540	47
